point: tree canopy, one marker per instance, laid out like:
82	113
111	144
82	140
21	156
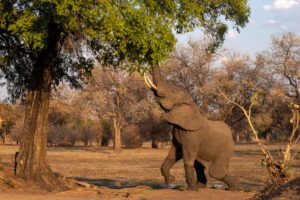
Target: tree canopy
73	33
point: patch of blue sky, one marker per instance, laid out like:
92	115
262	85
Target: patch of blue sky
268	17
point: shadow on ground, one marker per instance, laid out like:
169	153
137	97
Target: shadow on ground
120	184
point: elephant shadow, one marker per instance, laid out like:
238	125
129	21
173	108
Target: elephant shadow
121	184
155	185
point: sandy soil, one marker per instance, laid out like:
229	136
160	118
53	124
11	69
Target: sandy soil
135	174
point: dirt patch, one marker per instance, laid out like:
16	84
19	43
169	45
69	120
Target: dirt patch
8	180
135	174
138	193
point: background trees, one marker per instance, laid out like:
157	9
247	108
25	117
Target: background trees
45	42
281	63
201	73
94	107
117	96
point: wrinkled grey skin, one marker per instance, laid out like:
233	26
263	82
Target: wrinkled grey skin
201	143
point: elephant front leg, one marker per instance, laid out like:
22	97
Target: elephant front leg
189	157
174	155
190	177
189	151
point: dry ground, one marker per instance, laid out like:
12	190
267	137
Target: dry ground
135	174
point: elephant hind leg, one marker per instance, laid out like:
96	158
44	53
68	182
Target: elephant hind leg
232	182
219	171
201	178
219	168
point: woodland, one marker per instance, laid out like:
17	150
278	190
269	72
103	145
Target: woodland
75	76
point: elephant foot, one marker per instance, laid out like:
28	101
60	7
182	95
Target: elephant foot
169	179
201	185
232	182
190	178
194	189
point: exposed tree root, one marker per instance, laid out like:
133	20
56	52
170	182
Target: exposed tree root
52	182
49	182
8	180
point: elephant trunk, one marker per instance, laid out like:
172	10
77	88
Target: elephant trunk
157	77
159	81
160	85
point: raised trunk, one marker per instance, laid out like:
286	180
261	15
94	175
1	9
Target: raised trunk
157	77
117	138
162	85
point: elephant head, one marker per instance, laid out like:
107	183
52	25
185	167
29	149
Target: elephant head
179	106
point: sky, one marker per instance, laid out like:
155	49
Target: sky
268	17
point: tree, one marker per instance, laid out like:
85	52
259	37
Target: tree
46	41
282	65
116	95
281	169
9	114
283	59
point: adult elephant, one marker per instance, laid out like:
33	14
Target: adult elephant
201	143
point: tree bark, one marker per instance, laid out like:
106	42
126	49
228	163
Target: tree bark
238	137
154	143
117	138
31	162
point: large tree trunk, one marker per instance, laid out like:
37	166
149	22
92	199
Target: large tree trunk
3	137
117	138
32	163
154	143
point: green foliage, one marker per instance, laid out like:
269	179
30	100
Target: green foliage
111	31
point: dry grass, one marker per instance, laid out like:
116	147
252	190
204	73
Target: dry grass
141	167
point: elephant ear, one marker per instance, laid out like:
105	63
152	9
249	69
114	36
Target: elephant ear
186	116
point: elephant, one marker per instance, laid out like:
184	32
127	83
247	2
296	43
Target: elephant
201	143
160	133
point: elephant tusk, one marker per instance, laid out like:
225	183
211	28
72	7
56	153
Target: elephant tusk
145	79
149	82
